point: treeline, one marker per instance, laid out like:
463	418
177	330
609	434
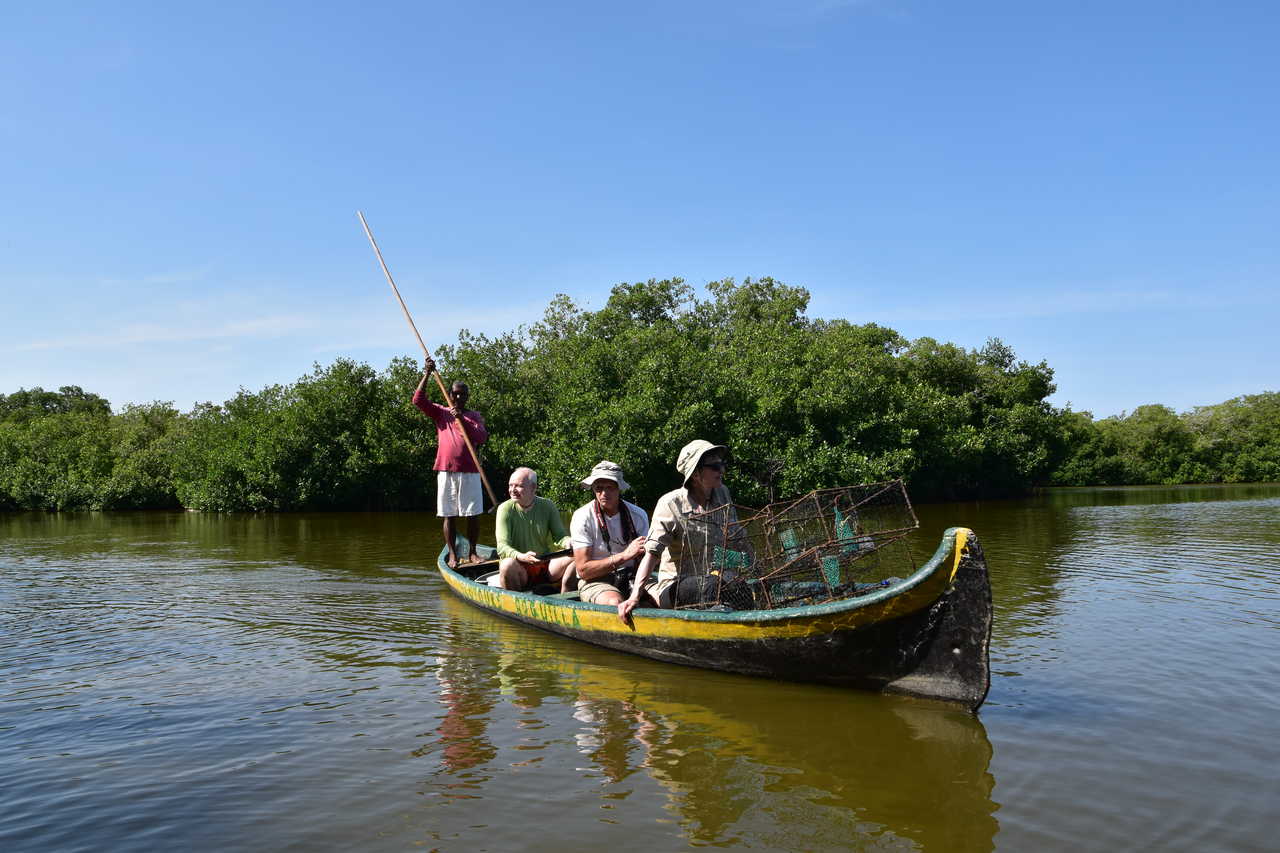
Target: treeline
1233	442
343	437
803	403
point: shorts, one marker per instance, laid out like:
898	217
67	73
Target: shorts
591	590
537	572
458	494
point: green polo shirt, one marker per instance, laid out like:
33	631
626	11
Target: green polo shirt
537	529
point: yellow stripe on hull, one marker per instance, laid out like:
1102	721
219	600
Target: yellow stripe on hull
917	592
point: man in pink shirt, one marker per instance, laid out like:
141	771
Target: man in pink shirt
458	493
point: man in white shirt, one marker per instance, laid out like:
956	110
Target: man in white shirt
606	535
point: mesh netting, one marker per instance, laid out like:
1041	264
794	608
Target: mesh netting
828	545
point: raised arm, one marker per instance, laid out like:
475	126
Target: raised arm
592	569
420	397
428	368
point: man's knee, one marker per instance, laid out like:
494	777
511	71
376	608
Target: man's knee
556	568
511	573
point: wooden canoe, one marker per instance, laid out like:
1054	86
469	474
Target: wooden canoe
925	636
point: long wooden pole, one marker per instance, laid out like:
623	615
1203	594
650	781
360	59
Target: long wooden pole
443	390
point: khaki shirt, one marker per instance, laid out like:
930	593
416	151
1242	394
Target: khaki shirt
685	544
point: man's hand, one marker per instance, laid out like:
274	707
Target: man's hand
633	549
457	412
625	608
428	366
528	557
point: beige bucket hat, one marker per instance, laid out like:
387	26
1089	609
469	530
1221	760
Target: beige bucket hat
606	470
691	455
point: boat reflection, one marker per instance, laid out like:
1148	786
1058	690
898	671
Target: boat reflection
733	758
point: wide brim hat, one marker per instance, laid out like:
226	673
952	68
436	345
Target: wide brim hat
691	456
606	470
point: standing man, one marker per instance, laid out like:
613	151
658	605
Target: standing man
458	493
528	527
608	534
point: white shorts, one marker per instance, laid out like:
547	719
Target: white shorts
458	494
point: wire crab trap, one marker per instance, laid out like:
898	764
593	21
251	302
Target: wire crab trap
830	544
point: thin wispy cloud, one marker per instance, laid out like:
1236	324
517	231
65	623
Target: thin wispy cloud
387	329
185	276
151	333
334	329
1065	301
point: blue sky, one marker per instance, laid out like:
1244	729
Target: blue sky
1094	183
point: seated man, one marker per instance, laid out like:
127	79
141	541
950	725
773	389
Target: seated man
527	527
607	534
702	465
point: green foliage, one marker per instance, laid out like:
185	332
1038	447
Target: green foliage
342	437
55	462
25	405
801	403
142	443
1239	439
1233	442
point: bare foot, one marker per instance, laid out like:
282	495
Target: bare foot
475	558
451	561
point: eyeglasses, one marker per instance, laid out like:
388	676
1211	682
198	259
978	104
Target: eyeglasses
715	466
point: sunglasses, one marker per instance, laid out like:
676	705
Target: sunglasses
715	466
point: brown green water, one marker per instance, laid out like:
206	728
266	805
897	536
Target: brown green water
306	682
